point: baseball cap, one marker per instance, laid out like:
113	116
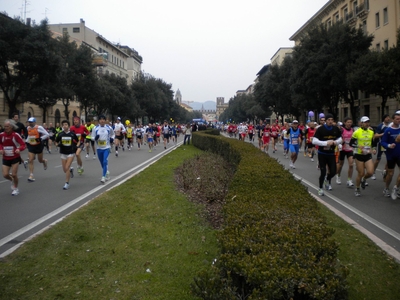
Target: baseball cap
364	119
119	118
31	119
102	117
295	121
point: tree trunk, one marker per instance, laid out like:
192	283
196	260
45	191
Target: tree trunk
44	114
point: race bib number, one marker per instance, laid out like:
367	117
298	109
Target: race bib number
102	142
32	140
366	150
66	141
266	134
8	151
295	141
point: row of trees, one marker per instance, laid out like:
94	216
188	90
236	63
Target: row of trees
329	66
36	68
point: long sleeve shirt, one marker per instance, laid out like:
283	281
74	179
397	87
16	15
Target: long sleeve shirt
9	142
102	136
388	138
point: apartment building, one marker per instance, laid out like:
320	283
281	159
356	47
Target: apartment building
377	17
280	55
110	58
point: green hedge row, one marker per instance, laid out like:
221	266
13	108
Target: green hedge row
274	243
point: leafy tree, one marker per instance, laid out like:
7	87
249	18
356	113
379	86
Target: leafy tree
44	87
321	64
77	73
273	91
23	56
375	73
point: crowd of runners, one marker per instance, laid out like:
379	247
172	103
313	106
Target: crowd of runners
331	144
73	140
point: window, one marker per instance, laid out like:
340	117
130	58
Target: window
386	44
378	47
355	6
65	29
329	23
364	26
336	18
385	16
366	110
377	23
345	13
345	112
76	29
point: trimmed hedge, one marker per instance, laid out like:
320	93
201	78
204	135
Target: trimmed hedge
275	244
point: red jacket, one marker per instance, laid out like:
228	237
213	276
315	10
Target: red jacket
9	143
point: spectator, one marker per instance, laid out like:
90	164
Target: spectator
188	133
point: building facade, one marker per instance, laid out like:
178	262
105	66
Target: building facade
221	106
108	59
377	17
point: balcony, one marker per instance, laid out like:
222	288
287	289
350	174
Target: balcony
362	10
100	60
351	18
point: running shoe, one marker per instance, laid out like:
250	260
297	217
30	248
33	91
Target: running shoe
338	181
350	183
150	150
80	170
326	184
321	192
386	193
31	178
15	192
363	185
312	159
357	193
66	186
116	153
94	156
123	149
45	164
71	171
373	177
291	165
329	187
103	180
394	192
87	156
108	175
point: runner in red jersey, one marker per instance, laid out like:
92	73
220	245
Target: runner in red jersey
11	145
266	133
309	134
81	132
275	129
250	132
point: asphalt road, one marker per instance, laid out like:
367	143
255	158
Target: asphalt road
375	215
44	202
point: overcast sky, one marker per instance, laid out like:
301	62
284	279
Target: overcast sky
207	49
